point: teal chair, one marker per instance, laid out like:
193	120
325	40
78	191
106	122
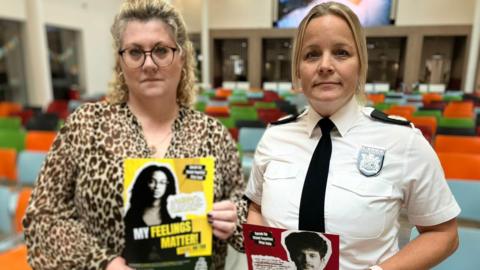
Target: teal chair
12	139
29	165
236	99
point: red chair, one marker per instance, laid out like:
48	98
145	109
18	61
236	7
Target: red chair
270	96
59	107
270	115
234	133
25	115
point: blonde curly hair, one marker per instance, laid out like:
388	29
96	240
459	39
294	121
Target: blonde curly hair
145	10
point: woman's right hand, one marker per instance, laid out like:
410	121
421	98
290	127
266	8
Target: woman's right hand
118	264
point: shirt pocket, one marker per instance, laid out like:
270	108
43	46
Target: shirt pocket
359	207
277	170
280	191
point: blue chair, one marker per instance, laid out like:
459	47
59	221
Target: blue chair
8	204
28	166
6	211
248	139
467	194
467	256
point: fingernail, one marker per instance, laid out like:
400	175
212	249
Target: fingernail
210	221
209	215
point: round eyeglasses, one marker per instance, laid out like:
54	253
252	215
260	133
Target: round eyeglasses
162	56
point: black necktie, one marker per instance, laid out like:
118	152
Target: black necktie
313	194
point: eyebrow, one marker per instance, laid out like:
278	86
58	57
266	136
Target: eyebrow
161	43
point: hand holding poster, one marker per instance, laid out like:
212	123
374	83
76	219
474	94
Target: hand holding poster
166	202
280	249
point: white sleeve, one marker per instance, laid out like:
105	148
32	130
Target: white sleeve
428	199
255	182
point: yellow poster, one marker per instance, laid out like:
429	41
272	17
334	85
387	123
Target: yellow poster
166	202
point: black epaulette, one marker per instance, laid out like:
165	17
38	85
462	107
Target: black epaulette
286	119
393	119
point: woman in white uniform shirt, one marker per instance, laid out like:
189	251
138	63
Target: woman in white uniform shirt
379	167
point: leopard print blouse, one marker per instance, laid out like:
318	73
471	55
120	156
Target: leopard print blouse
74	219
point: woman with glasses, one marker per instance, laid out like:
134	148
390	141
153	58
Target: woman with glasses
74	220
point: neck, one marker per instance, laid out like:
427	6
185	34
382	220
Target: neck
153	112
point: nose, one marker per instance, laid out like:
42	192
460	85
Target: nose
325	65
149	63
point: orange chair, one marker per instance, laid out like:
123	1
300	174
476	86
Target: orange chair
15	258
430	121
22	203
376	98
403	112
464	109
460	165
8	108
39	140
8	164
428	98
217	111
223	93
457	144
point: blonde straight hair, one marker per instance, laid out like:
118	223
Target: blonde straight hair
345	13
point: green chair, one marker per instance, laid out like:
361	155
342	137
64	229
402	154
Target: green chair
265	105
228	122
382	106
14	123
456	126
436	113
200	106
243	113
456	122
452	98
12	139
236	99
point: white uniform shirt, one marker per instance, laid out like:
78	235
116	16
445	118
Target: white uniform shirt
364	211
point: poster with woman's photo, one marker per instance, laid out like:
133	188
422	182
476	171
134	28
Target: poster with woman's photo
280	249
166	202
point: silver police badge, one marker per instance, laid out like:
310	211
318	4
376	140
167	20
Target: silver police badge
370	160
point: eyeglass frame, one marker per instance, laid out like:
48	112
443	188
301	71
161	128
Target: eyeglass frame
178	48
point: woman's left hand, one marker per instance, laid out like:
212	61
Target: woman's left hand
223	218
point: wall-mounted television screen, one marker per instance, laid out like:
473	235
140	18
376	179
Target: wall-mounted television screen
370	12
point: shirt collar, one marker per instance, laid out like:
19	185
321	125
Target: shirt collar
344	119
